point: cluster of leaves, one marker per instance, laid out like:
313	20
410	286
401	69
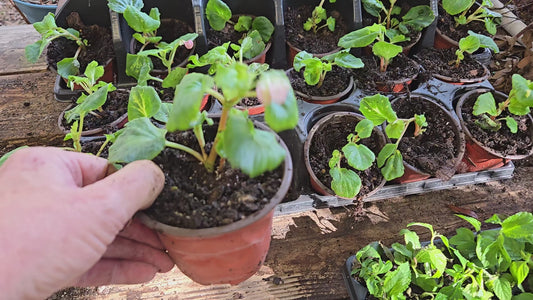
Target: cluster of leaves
461	9
378	109
318	16
315	69
492	264
259	29
472	43
518	103
50	31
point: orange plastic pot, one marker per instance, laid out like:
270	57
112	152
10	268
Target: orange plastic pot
411	174
293	50
224	254
336	118
397	86
479	157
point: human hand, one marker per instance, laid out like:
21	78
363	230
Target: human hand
61	222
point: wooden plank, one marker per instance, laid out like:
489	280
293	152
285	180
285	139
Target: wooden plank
12	42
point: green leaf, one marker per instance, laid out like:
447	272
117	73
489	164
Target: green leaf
385	153
495	219
251	150
362	37
522	90
395	129
140	140
335	159
427	283
397	281
185	112
364	128
464	241
243	24
92	102
519	270
393	167
502	288
485	41
331	23
319	13
68	66
252	45
419	17
450	292
435	257
275	92
8	154
120	6
386	50
358	156
93	72
138	66
46	24
217	13
163	112
234	80
485	103
474	222
346	60
175	77
378	109
401	249
300	58
264	27
469	44
523	296
512	124
143	102
411	239
373	7
34	51
519	225
140	21
345	183
454	7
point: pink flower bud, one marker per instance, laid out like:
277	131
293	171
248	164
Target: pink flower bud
189	44
273	87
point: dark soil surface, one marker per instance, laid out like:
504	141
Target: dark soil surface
333	136
400	68
446	24
523	9
335	81
92	145
435	151
503	141
115	106
170	30
194	198
100	47
249	102
165	94
322	42
437	61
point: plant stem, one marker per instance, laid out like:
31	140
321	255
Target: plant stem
76	137
186	149
210	162
102	148
217	95
392	2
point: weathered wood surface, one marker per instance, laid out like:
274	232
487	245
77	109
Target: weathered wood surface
308	249
13	39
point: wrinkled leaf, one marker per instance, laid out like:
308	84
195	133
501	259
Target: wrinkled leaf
345	183
143	102
359	157
217	13
378	109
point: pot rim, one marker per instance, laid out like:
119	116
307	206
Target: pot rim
446	38
405	79
43	6
339	95
319	55
486	75
467	132
219	230
251	60
307	144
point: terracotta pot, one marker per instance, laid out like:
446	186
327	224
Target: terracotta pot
323	99
479	157
442	41
481	78
224	254
293	50
397	86
339	118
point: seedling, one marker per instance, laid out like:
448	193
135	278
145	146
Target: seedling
416	19
315	69
50	31
145	25
318	16
461	8
473	264
471	44
259	29
345	182
249	149
518	103
378	109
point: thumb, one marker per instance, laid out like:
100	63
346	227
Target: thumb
126	191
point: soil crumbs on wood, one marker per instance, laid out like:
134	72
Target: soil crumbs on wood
194	198
435	151
335	82
437	61
323	41
400	68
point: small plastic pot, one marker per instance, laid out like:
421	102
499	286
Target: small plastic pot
324	99
397	86
118	123
483	77
293	50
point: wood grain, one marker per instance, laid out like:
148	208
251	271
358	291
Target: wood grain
14	40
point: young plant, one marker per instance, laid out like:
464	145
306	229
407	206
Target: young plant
378	109
471	44
318	16
249	149
345	182
259	29
518	103
145	25
50	31
416	19
492	264
315	69
461	8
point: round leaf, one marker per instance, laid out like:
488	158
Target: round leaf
345	183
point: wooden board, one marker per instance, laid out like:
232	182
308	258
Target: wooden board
12	43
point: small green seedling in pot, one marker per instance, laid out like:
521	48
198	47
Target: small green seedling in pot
145	25
416	19
315	69
50	31
377	108
461	8
345	182
471	44
518	103
318	16
259	29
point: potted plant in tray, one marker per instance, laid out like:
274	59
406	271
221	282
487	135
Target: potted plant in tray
483	113
473	264
35	10
223	181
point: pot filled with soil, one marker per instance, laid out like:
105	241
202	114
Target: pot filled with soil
397	78
337	85
329	134
491	147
